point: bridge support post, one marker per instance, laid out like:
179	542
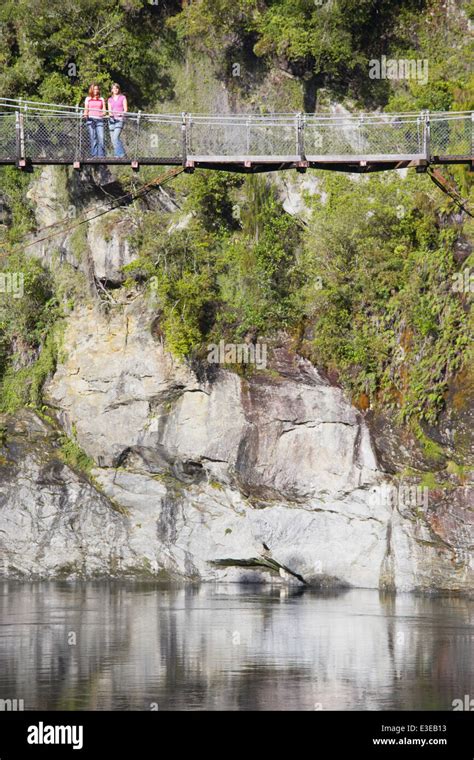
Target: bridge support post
472	140
134	163
360	134
426	135
300	125
184	137
20	140
77	160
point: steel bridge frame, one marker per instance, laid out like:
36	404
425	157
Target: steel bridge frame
36	134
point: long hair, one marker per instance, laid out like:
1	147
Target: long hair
118	87
91	90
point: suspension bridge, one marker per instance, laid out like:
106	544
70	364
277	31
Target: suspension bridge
34	133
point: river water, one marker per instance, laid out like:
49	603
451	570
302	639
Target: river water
136	646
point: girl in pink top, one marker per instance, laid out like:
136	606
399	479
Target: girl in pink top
94	112
118	107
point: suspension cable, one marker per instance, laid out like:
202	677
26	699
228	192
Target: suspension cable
131	196
449	189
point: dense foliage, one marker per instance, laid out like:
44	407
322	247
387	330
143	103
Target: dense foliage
57	51
232	271
329	44
53	50
364	286
366	289
387	317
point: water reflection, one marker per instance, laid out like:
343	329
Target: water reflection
135	646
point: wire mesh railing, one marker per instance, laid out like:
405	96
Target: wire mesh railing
452	134
384	135
242	136
68	138
8	146
45	132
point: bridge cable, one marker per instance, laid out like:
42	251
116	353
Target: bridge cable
131	196
449	189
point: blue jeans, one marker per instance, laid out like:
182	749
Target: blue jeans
115	127
96	136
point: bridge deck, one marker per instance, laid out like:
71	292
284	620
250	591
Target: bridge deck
40	133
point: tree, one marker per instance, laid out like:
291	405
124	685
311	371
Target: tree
55	52
327	44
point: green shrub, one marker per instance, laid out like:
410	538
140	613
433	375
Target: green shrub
386	319
75	457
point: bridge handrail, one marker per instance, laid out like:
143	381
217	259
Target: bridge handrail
22	102
34	131
33	107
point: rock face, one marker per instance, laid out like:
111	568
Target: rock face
207	475
101	249
293	438
270	479
110	251
52	520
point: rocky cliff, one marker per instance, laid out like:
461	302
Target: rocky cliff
274	477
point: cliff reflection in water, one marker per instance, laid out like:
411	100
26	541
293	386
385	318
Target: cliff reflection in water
230	647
